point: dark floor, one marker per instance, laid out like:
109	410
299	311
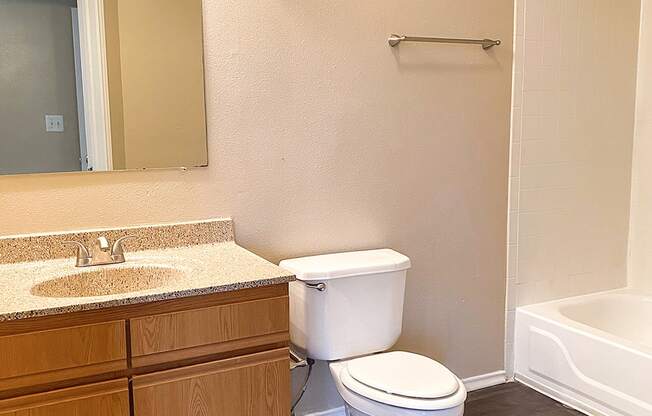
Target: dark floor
513	399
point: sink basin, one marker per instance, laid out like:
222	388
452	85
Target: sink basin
104	282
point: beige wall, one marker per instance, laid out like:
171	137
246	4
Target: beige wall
322	138
156	83
37	77
640	243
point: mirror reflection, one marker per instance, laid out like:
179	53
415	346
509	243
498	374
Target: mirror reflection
101	85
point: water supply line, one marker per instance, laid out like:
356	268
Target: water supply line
297	362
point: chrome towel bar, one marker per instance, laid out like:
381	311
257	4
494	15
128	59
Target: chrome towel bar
395	40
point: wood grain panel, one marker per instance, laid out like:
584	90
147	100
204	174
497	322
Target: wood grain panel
101	399
50	356
211	352
243	335
253	385
208	326
66	320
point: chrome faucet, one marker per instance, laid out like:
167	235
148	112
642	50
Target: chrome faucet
101	253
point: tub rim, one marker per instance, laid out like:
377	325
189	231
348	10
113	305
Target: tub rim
550	312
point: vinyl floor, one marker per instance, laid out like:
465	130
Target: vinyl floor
514	399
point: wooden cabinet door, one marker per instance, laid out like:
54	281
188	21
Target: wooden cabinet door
43	357
102	399
202	332
252	385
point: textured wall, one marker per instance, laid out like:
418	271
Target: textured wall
37	77
640	242
322	138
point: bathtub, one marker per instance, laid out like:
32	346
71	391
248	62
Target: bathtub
591	352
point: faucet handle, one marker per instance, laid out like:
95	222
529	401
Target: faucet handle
82	251
117	249
83	255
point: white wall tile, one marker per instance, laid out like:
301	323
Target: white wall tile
568	172
518	90
571	151
534	15
640	239
512	261
515	164
514	195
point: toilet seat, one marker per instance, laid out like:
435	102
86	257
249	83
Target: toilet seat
403	380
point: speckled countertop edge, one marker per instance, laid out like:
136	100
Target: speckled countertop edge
82	307
219	265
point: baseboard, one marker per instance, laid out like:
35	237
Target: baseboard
485	380
338	411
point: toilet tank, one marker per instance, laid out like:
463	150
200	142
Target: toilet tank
359	310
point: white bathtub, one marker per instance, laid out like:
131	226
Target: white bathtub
592	352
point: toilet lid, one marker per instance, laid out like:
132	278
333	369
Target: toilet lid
404	374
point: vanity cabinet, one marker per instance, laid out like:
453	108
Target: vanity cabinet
217	354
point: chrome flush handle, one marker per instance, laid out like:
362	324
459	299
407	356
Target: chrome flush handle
321	287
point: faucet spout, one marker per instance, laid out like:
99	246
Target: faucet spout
103	243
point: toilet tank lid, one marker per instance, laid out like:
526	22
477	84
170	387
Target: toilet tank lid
333	266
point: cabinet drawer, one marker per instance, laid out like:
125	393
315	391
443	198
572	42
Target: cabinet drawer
102	399
49	356
202	332
252	385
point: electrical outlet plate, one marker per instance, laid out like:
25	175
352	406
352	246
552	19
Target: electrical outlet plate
54	124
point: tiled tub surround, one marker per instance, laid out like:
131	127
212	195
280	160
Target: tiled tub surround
572	138
571	150
640	238
203	256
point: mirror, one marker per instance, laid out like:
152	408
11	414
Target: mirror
101	85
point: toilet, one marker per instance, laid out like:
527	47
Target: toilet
347	309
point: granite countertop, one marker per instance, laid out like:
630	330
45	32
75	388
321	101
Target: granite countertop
198	270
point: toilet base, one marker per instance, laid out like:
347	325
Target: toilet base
350	411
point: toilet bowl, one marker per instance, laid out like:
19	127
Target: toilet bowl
420	387
346	309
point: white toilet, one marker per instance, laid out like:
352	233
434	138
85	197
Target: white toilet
347	309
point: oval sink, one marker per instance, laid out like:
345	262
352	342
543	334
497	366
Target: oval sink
104	282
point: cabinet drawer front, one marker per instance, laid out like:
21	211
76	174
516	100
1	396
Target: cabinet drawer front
102	399
49	356
196	329
253	385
